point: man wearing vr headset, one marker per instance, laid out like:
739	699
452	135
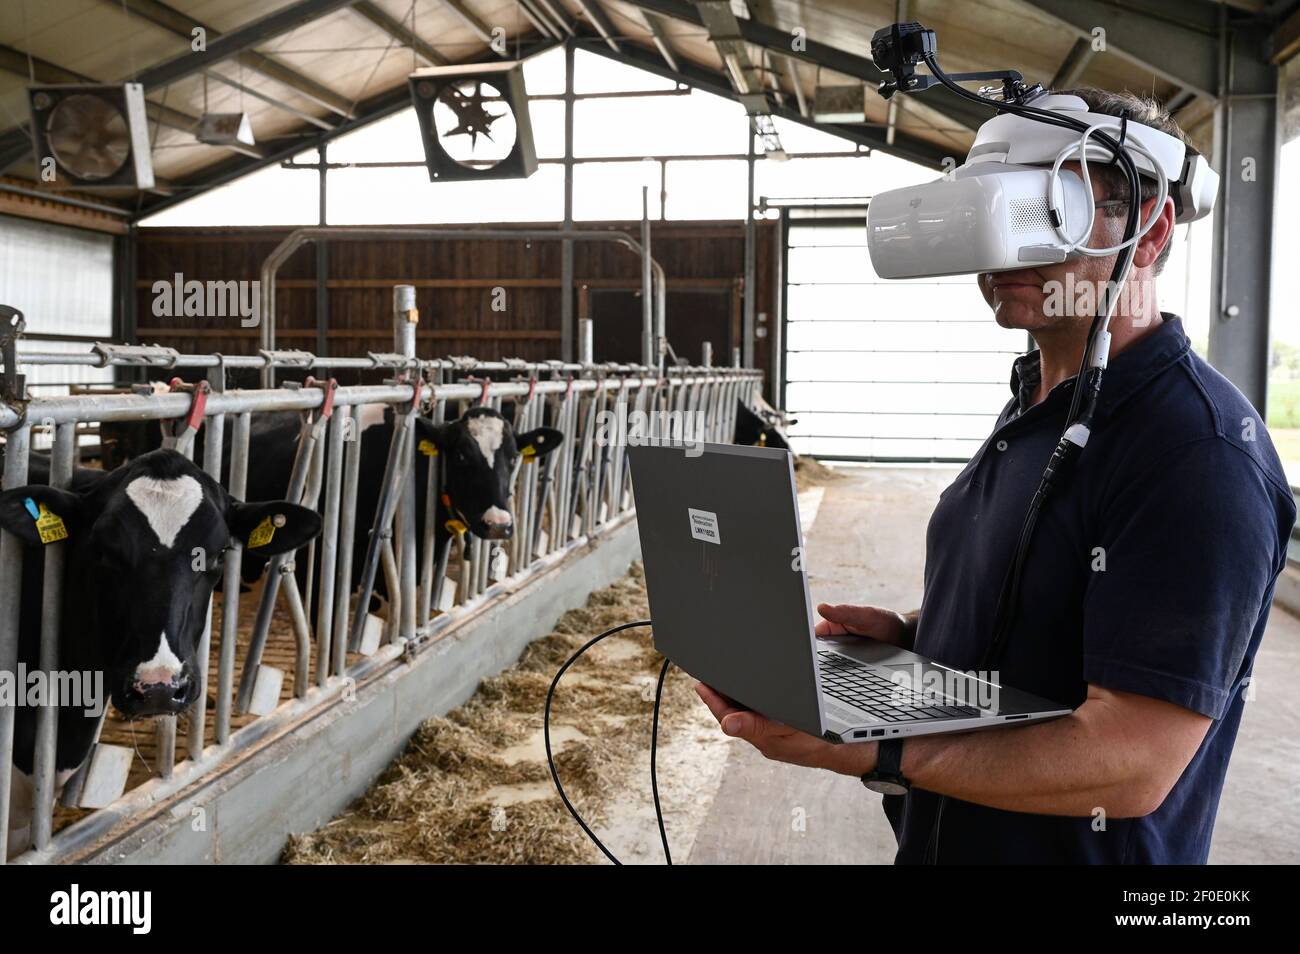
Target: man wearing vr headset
1146	586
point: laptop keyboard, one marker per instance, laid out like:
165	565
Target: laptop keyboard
858	685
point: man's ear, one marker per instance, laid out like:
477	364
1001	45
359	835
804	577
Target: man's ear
1161	234
63	506
540	442
271	527
431	438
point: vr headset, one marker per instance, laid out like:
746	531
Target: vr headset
1012	205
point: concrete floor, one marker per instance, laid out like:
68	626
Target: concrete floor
866	545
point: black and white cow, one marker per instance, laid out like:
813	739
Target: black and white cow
477	455
764	426
135	590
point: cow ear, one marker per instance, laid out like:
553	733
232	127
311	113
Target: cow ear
540	442
430	438
271	527
39	513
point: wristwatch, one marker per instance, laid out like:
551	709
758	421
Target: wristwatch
887	777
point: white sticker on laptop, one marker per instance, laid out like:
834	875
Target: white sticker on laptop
704	525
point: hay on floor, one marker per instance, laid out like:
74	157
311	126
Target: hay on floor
473	786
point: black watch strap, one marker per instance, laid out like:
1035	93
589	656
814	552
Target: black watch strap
887	777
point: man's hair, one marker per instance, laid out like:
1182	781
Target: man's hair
1142	110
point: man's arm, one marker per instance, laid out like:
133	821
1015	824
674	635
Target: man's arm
1119	751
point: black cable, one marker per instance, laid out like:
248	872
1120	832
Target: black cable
654	740
654	751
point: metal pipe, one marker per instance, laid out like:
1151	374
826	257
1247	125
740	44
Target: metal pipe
237	487
295	239
339	422
213	449
17	446
649	354
430	528
47	717
273	577
585	341
405	319
390	489
347	538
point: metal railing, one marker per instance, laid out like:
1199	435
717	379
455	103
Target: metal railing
560	502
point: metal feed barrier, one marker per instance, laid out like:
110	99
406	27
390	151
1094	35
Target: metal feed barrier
560	503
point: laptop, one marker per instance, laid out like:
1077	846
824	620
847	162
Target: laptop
725	574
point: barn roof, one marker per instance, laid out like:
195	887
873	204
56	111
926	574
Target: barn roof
308	70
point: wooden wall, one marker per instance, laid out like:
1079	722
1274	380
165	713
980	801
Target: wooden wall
454	281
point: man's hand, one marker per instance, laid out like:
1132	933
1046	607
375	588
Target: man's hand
784	744
897	629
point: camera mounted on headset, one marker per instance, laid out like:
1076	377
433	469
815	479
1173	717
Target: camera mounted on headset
899	48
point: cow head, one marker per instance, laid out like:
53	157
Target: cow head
761	426
480	452
145	546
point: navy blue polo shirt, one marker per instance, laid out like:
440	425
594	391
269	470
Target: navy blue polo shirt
1151	572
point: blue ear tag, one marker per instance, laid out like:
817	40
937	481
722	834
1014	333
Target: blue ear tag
32	508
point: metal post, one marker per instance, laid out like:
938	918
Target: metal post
47	719
585	340
1248	138
706	354
11	585
405	319
650	348
566	246
751	270
213	448
237	487
347	537
322	260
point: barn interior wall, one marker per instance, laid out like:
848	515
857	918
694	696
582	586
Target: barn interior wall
455	288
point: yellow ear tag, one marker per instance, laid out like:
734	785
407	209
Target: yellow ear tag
427	448
456	527
529	451
262	533
50	526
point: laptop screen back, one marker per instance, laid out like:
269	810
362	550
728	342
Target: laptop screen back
728	595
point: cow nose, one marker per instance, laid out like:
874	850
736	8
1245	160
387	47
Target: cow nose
160	698
499	523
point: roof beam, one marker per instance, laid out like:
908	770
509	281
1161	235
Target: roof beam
470	19
268	99
1176	40
400	32
557	13
772	38
183	25
906	147
1072	67
1286	38
746	78
600	20
660	38
231	44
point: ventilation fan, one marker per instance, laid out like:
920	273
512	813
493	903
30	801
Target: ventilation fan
474	122
95	135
